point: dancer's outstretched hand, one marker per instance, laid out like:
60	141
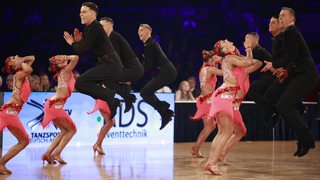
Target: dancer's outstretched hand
68	37
267	67
77	35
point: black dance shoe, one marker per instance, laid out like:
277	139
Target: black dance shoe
304	147
128	102
166	118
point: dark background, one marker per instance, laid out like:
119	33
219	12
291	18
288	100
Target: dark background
183	28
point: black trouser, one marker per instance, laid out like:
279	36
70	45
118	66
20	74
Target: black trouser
130	72
298	88
259	87
166	76
271	98
89	82
294	89
257	91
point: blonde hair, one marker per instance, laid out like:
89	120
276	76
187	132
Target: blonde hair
146	26
182	83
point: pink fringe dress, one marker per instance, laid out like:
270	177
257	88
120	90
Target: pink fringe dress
224	103
53	111
204	101
9	118
100	105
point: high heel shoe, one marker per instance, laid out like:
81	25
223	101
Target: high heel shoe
59	160
46	158
213	170
7	170
197	154
3	170
98	149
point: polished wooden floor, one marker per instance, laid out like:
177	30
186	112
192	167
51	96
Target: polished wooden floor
248	160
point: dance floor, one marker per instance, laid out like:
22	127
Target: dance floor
248	160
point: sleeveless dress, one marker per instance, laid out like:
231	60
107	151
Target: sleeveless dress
244	84
53	111
224	102
10	117
204	101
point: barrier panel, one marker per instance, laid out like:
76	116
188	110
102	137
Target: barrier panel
186	130
138	126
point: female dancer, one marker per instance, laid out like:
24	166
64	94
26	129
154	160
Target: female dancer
53	108
226	101
208	79
21	68
243	79
104	109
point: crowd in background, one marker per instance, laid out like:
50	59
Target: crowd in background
39	83
183	29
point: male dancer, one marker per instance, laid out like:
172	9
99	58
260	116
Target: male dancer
132	68
155	59
109	65
262	80
296	71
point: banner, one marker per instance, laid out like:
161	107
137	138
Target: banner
138	126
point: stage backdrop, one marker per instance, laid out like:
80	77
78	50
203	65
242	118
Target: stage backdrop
138	126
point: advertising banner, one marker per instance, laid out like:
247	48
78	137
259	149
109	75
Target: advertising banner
138	126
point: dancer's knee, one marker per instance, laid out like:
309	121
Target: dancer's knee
24	142
109	122
283	106
208	128
112	122
143	94
239	134
139	74
72	131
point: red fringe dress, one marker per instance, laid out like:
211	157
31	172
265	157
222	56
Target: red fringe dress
222	102
204	101
53	111
100	105
10	117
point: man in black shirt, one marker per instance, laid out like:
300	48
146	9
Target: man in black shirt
132	68
294	67
260	81
156	60
94	39
260	54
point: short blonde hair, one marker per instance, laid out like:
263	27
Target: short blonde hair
146	26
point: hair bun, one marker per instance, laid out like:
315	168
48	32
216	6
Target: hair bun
206	54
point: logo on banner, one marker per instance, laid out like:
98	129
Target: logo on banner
40	137
39	118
